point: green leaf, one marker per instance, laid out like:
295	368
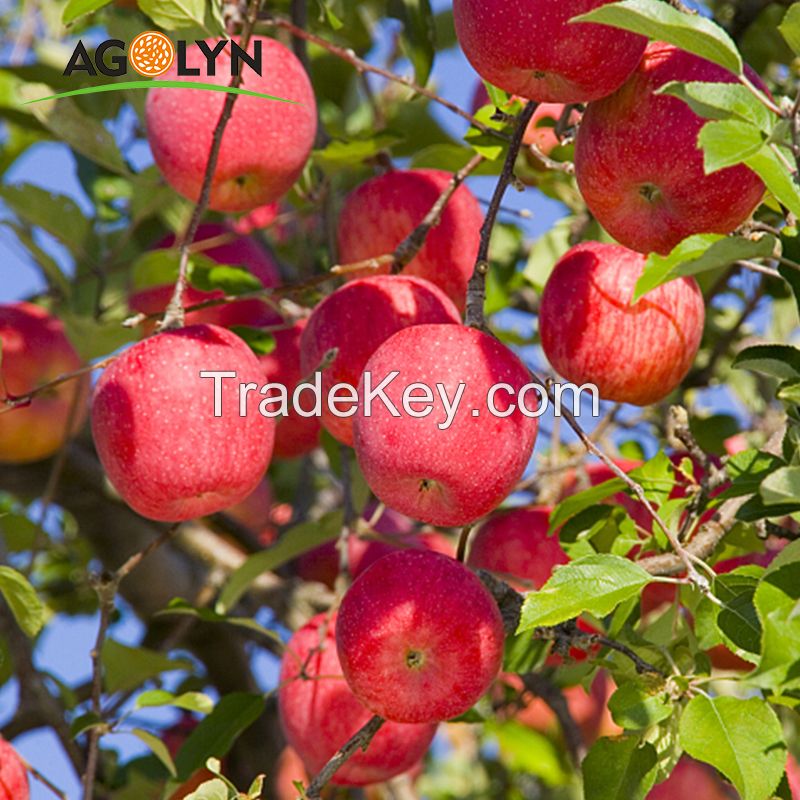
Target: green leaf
128	667
418	40
229	280
546	251
597	584
728	142
792	277
214	789
21	597
172	15
790	27
769	167
619	769
576	503
75	9
157	747
341	155
179	606
261	342
528	751
743	739
722	101
748	469
293	543
191	701
215	735
657	20
636	705
776	360
782	486
84	723
700	253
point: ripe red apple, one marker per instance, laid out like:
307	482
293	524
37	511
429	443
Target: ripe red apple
319	713
793	776
156	434
257	219
440	473
380	213
690	778
34	350
242	251
419	637
13	775
295	435
515	544
356	319
532	50
591	334
266	142
639	167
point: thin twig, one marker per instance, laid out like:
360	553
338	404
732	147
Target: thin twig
476	289
43	779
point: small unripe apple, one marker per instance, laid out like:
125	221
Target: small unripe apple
378	215
355	320
266	142
639	166
33	351
690	778
422	466
319	713
155	431
242	251
514	543
295	435
419	637
13	775
531	49
591	334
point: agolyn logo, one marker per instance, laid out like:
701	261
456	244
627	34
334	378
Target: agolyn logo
152	54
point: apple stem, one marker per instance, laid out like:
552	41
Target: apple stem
476	289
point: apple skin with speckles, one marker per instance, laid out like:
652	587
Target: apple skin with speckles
356	319
452	475
34	349
590	333
419	637
378	215
514	544
639	167
530	48
266	143
319	713
13	775
155	431
295	435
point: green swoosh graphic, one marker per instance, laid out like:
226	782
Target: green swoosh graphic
149	84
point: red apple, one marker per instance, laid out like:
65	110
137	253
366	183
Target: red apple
380	213
531	49
419	637
289	769
434	471
266	142
515	544
13	775
690	778
256	513
639	167
793	776
319	713
257	219
355	320
295	435
33	351
591	334
155	431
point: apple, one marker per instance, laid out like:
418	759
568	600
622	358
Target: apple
242	251
355	320
13	774
34	349
257	219
531	49
266	143
289	769
295	435
515	544
793	776
378	215
319	713
639	167
590	333
155	431
419	637
690	778
438	472
256	513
